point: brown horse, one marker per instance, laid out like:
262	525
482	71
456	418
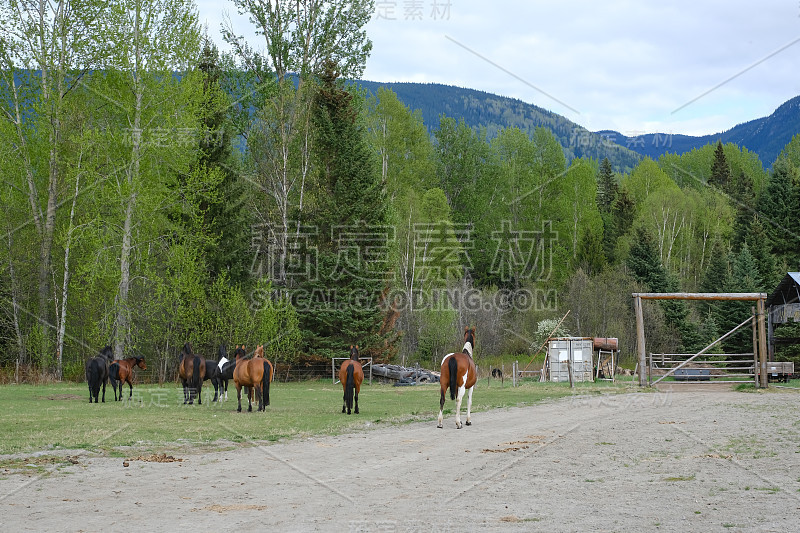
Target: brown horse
458	373
351	375
256	374
121	372
192	370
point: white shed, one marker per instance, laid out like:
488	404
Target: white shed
565	354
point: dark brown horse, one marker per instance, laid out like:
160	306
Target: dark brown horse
256	374
351	375
97	373
192	370
121	372
459	375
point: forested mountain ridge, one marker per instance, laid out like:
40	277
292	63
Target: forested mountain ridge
480	109
765	136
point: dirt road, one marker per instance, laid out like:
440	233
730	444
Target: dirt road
665	461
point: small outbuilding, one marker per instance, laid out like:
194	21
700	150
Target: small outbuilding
567	355
783	307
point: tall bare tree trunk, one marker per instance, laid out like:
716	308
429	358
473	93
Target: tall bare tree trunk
62	319
122	322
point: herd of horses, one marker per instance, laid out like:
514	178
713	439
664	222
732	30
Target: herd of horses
254	374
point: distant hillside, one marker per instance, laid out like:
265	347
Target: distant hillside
765	136
480	109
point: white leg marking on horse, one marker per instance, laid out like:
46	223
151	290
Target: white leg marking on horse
440	419
458	406
469	406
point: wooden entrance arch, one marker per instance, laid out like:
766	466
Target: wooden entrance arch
758	297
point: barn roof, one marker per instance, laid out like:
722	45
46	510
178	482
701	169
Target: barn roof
787	291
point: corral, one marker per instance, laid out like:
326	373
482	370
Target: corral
667	461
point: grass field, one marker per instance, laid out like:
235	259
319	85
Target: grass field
45	417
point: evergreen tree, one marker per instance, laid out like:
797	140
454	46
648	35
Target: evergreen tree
623	211
590	252
758	243
745	277
744	198
780	204
342	300
606	187
646	267
720	171
218	208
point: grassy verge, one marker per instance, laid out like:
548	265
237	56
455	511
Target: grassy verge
46	417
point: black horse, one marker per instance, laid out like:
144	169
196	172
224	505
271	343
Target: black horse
226	367
97	373
214	373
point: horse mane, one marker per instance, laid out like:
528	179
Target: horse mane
469	341
222	351
107	352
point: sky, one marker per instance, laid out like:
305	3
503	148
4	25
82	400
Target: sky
680	67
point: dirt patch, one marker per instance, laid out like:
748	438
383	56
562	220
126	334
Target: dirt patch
670	460
62	397
156	458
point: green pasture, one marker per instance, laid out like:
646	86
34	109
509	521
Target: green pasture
46	417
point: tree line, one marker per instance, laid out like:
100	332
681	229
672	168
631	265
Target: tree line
156	191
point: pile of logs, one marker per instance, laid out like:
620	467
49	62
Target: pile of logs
405	376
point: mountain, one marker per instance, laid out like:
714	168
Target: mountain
765	136
484	110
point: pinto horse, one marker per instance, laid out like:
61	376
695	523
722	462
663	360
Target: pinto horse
122	372
351	375
97	373
459	375
255	373
192	370
226	366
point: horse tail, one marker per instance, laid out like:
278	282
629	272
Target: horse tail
452	366
197	379
350	385
94	375
113	372
266	380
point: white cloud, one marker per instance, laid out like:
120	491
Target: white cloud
623	64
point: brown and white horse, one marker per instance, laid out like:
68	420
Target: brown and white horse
459	375
351	375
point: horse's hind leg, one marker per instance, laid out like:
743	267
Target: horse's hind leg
469	405
460	397
441	409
